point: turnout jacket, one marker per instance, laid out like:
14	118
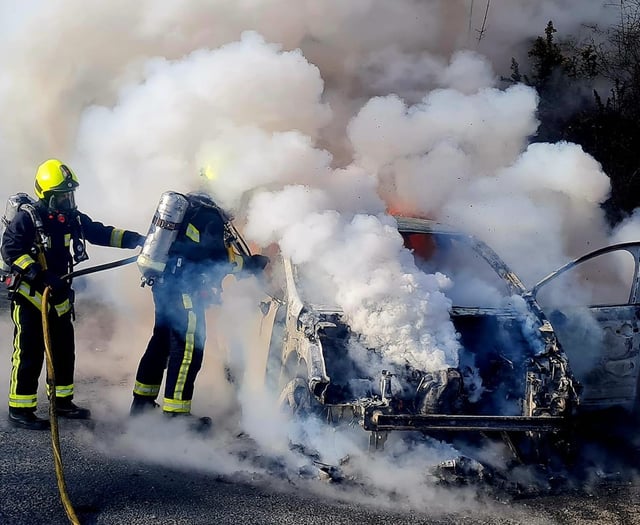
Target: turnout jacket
21	248
198	260
199	256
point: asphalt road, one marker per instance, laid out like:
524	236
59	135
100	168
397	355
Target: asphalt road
118	490
120	472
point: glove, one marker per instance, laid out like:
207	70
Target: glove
53	281
132	240
36	275
256	263
32	273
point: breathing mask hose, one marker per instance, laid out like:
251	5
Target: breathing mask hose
55	438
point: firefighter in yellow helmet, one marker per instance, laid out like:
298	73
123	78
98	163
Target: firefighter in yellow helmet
42	244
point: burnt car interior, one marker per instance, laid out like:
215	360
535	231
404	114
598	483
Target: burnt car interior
512	377
534	364
495	338
492	336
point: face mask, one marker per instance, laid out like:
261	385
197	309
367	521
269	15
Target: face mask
62	201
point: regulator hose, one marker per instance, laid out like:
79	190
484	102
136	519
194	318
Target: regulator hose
51	382
53	416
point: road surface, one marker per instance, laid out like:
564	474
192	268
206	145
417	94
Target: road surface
124	472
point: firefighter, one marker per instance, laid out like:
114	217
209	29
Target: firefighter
198	260
38	245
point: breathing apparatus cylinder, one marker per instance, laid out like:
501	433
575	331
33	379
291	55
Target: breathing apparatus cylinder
13	205
163	231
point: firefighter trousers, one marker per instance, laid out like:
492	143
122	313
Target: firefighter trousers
28	352
177	345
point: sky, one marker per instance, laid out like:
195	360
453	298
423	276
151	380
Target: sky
317	119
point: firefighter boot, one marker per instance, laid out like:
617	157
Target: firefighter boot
26	418
141	405
199	425
67	408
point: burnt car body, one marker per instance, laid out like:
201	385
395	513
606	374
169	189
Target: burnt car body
529	395
599	327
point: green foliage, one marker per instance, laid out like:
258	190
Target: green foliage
546	56
570	79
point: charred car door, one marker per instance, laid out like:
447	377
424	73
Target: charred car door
593	304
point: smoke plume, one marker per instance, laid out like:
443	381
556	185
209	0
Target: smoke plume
317	121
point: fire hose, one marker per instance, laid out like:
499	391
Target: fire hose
51	382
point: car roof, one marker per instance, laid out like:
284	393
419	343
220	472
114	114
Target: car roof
415	224
428	226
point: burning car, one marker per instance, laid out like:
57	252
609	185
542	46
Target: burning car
515	379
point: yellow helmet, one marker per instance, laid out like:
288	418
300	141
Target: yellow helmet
53	176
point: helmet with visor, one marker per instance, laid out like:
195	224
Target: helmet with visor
55	185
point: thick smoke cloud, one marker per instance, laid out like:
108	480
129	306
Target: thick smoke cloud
317	120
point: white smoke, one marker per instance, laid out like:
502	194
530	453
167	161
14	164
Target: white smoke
366	271
339	111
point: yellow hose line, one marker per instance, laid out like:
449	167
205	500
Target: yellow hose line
55	438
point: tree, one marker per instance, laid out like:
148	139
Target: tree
546	56
570	79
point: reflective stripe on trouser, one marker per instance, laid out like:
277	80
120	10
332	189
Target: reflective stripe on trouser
140	389
177	343
28	352
176	405
61	391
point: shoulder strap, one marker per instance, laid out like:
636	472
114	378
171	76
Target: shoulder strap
79	244
42	238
